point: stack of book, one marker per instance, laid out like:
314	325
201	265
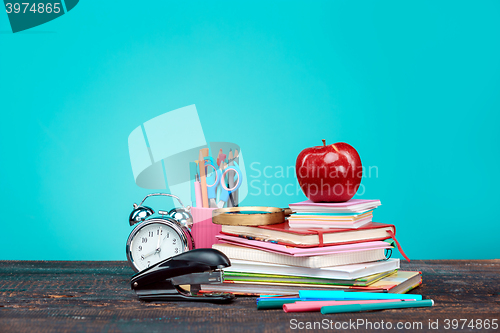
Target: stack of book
283	259
352	214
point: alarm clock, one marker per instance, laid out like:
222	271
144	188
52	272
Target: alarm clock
157	238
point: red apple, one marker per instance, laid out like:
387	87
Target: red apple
329	173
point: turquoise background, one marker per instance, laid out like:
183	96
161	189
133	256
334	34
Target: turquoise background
413	86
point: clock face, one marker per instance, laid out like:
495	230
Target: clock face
152	243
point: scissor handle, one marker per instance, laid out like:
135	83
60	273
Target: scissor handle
225	191
238	173
212	188
216	171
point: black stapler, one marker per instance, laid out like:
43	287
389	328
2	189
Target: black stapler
161	282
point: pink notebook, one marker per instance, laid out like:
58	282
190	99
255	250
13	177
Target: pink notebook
300	224
352	202
300	251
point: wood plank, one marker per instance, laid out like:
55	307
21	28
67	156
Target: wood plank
69	296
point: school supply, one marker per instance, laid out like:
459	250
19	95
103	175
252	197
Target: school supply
290	279
309	305
303	252
197	190
217	178
235	193
222	159
283	234
314	300
330	220
345	272
254	289
203	181
351	214
219	156
351	206
147	244
302	305
272	304
376	306
230	162
387	284
162	281
213	179
399	282
316	261
203	230
250	216
315	306
340	294
192	180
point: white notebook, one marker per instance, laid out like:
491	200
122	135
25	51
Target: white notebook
346	272
326	260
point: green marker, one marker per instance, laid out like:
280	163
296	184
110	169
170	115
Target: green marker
376	306
274	304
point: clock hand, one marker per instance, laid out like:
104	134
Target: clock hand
144	256
159	245
159	236
157	250
162	241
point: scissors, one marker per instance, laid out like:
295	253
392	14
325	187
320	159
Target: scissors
217	178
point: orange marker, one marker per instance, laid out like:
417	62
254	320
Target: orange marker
203	180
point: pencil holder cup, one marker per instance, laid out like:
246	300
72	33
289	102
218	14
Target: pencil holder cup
203	230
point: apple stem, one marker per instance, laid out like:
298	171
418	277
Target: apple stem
324	142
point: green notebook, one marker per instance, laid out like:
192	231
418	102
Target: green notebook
255	277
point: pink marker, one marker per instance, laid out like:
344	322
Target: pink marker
309	306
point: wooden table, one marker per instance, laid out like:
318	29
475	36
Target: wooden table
87	296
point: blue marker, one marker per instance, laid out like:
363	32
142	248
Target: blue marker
340	294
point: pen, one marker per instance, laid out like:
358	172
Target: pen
376	306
